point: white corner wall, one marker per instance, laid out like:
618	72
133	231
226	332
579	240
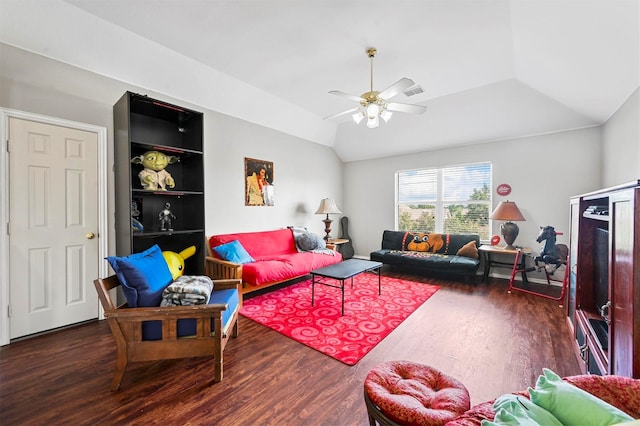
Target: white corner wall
304	172
543	171
621	144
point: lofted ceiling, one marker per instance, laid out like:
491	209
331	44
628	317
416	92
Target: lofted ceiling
489	69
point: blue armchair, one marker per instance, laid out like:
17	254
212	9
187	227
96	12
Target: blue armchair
169	332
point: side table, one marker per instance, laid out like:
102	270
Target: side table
334	243
488	254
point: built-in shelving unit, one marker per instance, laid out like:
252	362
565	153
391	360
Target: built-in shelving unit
143	124
603	306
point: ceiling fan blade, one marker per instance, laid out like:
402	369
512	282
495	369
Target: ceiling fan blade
347	95
412	109
340	114
396	88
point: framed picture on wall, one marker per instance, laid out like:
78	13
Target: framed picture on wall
258	182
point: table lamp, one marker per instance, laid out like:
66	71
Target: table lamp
508	211
327	206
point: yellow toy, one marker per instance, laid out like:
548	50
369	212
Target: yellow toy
175	261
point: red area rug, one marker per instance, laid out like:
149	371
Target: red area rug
368	317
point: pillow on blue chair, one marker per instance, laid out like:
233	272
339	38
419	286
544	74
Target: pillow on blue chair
143	276
233	252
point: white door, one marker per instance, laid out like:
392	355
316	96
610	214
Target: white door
53	231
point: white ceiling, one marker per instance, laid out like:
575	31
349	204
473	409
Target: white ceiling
490	69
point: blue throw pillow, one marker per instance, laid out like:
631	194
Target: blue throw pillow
143	276
233	252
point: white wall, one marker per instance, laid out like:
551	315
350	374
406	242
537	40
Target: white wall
621	144
304	172
543	171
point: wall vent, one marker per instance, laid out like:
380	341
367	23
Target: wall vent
415	90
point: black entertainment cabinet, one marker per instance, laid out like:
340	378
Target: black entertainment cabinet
143	124
603	301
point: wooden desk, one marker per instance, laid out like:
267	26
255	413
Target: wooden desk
488	253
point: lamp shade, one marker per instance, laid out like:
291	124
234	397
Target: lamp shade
328	206
507	210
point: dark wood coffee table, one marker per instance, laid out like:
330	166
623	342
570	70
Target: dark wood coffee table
343	271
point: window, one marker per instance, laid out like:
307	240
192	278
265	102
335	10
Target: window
452	200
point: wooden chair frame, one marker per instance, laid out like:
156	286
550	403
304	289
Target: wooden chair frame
126	327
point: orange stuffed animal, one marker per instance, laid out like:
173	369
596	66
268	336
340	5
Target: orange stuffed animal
426	242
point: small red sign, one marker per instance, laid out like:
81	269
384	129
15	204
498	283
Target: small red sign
495	240
504	189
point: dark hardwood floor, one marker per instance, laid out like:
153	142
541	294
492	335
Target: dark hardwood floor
492	341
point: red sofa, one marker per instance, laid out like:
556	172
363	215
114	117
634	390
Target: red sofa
277	259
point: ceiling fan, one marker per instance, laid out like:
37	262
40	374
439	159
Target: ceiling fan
375	105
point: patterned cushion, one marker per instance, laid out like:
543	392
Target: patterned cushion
621	392
412	393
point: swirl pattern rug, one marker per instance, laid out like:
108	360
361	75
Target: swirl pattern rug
368	317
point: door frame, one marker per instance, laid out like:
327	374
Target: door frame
101	132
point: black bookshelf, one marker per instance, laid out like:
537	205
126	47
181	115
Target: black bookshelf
143	124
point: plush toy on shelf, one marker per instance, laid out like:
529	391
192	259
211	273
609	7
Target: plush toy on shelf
154	176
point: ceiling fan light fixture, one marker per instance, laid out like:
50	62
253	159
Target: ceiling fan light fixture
373	122
373	110
358	116
386	115
375	104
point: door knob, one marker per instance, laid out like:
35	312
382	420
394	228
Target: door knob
91	236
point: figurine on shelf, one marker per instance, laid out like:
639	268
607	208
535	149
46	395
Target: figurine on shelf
165	218
135	211
154	176
136	225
